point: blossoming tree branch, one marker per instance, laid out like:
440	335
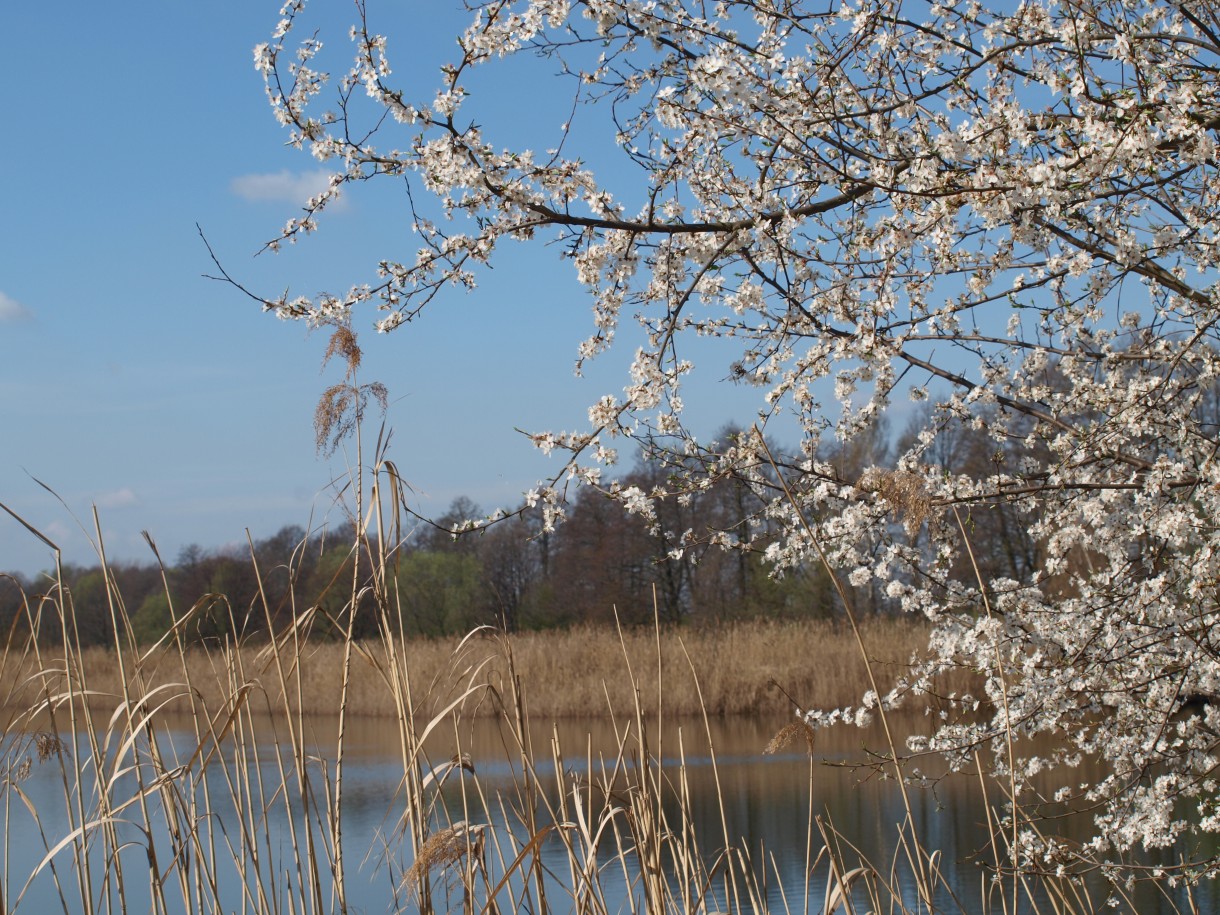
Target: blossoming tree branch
1007	211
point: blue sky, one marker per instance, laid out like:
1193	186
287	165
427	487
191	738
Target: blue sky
169	401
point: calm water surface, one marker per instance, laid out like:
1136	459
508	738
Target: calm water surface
766	803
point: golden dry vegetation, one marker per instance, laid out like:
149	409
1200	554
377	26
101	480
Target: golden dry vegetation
747	668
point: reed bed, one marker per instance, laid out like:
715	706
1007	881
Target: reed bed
244	815
186	781
751	668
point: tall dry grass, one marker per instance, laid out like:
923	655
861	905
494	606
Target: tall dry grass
755	668
243	814
239	811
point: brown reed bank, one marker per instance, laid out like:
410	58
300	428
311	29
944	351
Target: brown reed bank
759	667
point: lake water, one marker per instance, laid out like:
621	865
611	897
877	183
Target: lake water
762	803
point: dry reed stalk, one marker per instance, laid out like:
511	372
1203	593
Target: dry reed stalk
636	827
443	849
637	830
207	815
789	733
923	885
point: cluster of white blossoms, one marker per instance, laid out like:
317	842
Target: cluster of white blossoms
1010	209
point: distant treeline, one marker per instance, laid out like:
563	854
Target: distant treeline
599	563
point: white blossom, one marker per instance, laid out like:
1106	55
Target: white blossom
1009	209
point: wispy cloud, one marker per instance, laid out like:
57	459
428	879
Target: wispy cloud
283	187
12	310
118	498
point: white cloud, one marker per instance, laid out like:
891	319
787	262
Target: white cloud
283	187
58	531
12	310
118	498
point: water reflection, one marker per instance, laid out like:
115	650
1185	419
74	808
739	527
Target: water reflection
761	804
765	804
